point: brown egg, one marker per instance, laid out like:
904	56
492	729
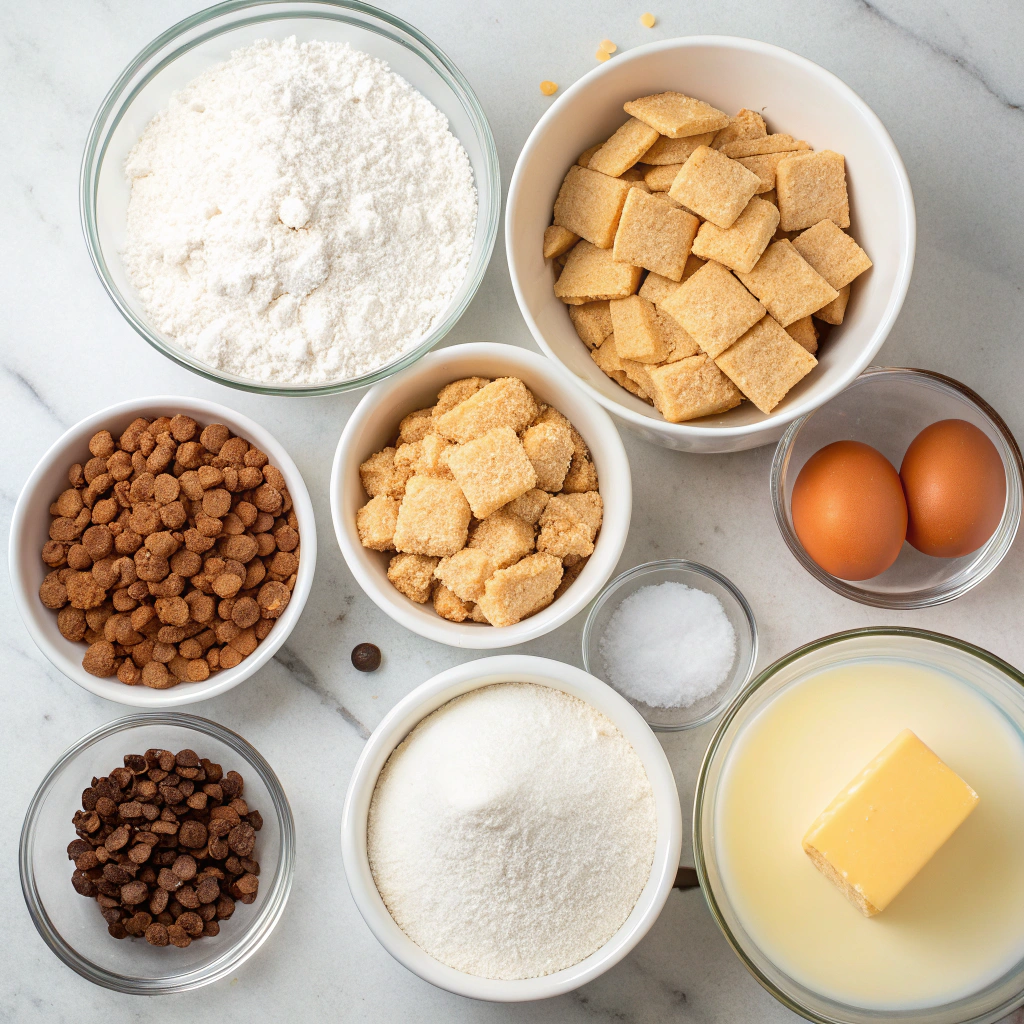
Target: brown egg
849	511
955	485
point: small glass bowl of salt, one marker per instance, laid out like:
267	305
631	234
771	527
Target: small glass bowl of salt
675	638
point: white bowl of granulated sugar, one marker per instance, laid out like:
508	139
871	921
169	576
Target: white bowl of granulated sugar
512	829
291	198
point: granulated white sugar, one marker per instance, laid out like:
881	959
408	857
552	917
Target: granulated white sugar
668	645
512	832
298	214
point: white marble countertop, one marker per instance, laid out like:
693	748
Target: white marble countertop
947	81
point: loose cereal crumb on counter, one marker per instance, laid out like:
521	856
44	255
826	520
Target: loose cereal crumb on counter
548	87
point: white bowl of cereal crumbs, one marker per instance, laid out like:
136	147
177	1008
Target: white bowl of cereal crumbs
255	621
438	498
799	208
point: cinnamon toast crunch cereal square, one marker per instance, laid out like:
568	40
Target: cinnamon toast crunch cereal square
675	151
834	312
433	518
492	469
558	240
832	253
714	308
660	178
592	274
624	148
690	388
765	363
714	187
804	333
593	322
740	246
747	124
677	115
812	188
636	333
765	167
654	235
787	284
657	288
589	204
505	402
778	143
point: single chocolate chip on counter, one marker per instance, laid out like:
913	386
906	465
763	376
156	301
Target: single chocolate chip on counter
366	657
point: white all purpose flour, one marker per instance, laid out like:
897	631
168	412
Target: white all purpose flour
298	214
512	832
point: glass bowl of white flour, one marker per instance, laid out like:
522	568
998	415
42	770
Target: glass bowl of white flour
291	198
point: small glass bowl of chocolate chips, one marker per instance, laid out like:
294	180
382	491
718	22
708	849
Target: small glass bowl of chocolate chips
157	854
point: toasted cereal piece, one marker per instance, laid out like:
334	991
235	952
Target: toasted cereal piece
558	240
660	178
804	333
636	333
505	402
477	615
549	448
680	343
380	475
676	115
458	391
521	590
582	476
466	572
433	518
675	151
714	308
413	575
592	274
589	204
787	284
570	523
747	124
450	607
812	188
593	322
654	235
690	388
504	536
624	148
570	573
771	196
492	470
376	522
693	264
713	186
608	361
765	363
657	288
432	457
634	175
834	312
587	155
637	373
740	246
765	167
666	198
779	143
832	253
527	507
415	426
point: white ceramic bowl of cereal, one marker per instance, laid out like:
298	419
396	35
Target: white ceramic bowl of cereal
374	424
30	530
400	721
795	96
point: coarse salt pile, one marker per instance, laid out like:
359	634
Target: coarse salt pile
668	645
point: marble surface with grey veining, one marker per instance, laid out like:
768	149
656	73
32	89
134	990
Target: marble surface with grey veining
946	79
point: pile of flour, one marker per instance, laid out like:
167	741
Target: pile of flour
298	214
512	832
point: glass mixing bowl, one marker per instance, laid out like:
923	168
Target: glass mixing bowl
699	577
999	682
887	407
187	49
72	926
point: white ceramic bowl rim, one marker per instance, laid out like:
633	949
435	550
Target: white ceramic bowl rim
605	444
397	724
25	592
815	71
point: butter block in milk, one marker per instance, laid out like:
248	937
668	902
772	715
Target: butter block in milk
883	827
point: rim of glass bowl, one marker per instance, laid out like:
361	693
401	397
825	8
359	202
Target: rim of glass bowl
994	549
701	570
126	88
702	778
258	930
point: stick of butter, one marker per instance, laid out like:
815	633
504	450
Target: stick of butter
883	827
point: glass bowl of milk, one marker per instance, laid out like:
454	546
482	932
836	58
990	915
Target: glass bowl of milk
949	948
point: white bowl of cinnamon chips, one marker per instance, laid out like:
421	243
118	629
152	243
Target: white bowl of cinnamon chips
692	203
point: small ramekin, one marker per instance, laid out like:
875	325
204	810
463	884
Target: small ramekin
699	577
30	529
400	721
887	407
72	926
374	424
